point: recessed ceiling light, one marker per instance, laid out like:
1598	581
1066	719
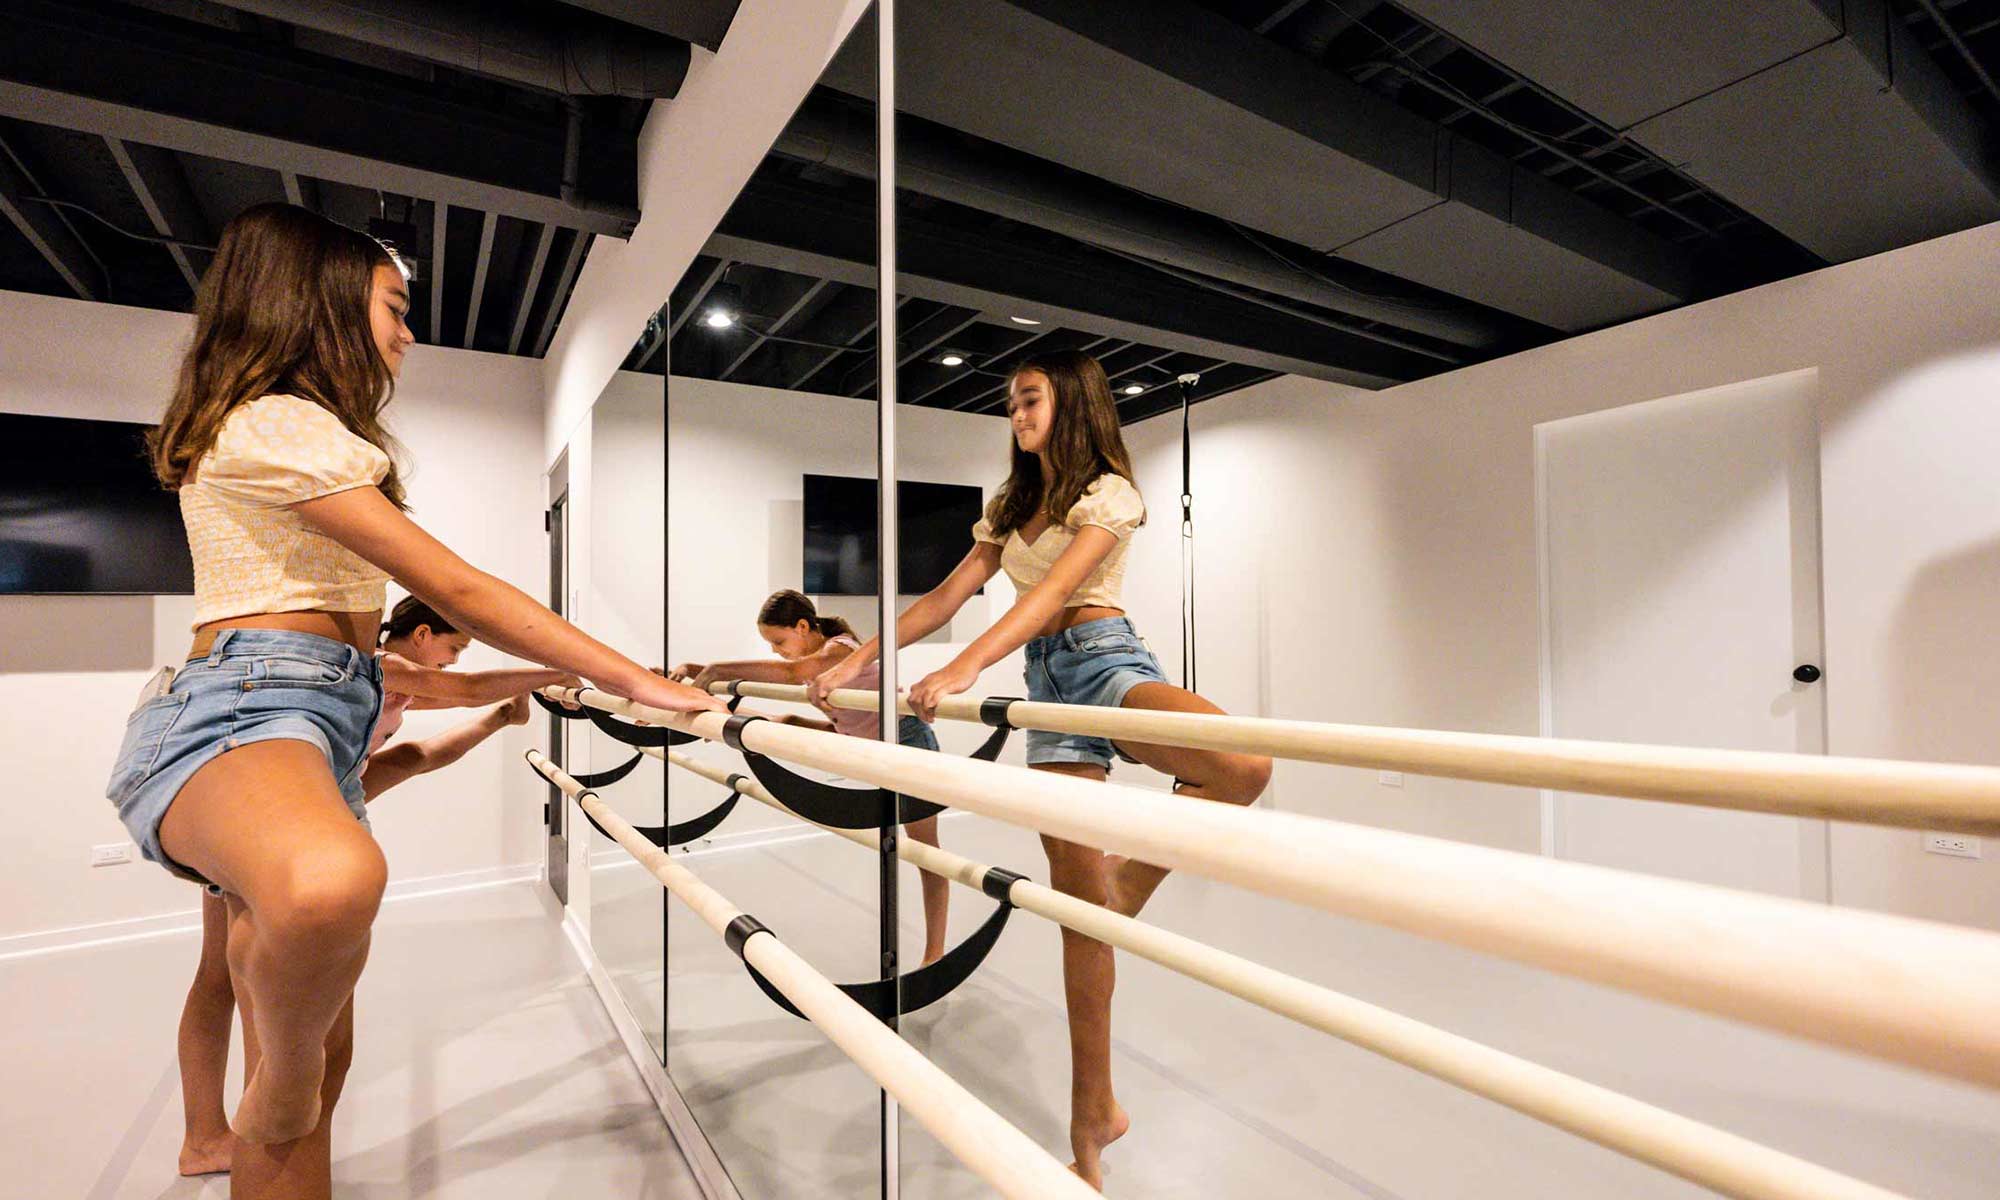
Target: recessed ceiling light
719	319
1133	389
1024	320
953	360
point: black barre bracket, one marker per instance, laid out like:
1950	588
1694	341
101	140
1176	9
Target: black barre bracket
920	988
993	711
732	731
741	930
998	882
567	714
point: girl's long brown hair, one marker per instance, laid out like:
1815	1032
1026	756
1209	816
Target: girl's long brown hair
283	310
1084	443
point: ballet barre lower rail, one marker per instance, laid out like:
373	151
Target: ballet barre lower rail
1961	798
1723	1162
995	1150
1909	991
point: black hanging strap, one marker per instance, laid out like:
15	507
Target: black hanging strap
830	805
630	734
607	778
920	988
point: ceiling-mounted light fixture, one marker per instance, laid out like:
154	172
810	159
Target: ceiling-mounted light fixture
1133	389
1024	320
724	306
951	358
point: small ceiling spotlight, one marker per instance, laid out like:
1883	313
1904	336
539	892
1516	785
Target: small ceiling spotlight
952	360
1134	389
1024	320
723	307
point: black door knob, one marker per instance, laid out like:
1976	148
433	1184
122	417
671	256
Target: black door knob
1806	673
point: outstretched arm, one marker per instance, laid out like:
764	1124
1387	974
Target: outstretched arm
929	614
1029	616
403	761
774	670
433	688
490	609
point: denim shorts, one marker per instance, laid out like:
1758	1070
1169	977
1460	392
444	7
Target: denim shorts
1097	662
255	685
912	732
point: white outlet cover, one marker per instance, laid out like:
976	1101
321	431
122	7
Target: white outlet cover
1389	778
112	855
1958	845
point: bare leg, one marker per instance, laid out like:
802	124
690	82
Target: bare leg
301	1169
204	1047
1089	975
937	893
266	822
1203	774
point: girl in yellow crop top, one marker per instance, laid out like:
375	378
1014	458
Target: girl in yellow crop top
1061	528
244	772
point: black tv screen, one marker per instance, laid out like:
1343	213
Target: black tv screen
80	511
933	532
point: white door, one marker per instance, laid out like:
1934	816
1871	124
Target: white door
1680	583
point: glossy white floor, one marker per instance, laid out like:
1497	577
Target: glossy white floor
1228	1101
485	1067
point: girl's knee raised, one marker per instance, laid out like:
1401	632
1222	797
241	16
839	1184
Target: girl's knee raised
331	897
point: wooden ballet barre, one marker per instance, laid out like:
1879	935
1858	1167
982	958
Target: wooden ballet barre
997	1152
1701	1154
1909	991
1961	798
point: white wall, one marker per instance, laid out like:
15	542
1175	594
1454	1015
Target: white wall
736	462
1370	557
70	666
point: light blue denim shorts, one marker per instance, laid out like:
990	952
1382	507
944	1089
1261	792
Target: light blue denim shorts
912	732
1097	662
255	685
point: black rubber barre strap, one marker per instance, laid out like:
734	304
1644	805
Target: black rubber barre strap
993	711
741	930
998	882
736	687
732	730
735	781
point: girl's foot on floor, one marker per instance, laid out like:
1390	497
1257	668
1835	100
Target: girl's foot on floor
280	1106
1088	1140
207	1156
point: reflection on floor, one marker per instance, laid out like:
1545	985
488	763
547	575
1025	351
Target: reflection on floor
1228	1101
485	1068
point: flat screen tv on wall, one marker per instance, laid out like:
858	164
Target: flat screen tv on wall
80	512
933	532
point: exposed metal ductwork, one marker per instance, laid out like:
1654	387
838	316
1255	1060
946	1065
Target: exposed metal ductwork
934	163
1172	100
566	52
1822	118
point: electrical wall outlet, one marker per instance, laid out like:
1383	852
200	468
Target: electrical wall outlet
112	855
1959	845
1389	778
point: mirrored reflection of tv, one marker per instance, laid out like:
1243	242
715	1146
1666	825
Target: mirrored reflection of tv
80	512
933	532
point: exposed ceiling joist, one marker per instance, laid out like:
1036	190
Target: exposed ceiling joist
152	82
156	183
47	230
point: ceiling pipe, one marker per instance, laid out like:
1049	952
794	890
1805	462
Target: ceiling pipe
1026	190
571	57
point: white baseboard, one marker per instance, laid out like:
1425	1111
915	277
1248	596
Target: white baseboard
705	1164
185	920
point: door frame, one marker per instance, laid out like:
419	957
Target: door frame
1808	599
555	813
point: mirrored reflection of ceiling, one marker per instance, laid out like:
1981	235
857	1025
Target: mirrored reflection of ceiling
1351	190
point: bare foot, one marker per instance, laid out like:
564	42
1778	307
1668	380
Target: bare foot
1087	1142
208	1156
280	1106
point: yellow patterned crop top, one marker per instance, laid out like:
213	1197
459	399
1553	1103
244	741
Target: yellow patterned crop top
254	554
1110	502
